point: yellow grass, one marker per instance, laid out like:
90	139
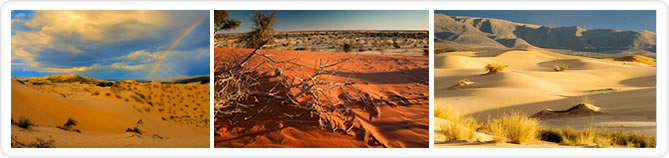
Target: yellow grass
458	128
560	67
495	67
596	138
514	128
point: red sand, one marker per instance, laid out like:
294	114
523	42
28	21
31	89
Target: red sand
403	80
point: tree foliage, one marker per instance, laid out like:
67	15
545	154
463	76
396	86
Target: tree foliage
222	21
262	29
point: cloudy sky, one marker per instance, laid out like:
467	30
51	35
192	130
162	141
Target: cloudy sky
110	45
589	19
308	20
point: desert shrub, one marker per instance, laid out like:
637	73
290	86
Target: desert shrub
396	45
68	125
136	128
514	128
560	67
24	123
104	84
137	99
96	93
347	47
38	143
426	52
495	67
140	95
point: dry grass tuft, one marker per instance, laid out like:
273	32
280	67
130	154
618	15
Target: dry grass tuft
595	138
458	128
514	128
560	67
462	83
495	67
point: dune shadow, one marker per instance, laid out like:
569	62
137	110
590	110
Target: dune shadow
531	108
574	64
640	81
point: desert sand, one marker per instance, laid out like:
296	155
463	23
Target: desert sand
624	89
173	115
402	122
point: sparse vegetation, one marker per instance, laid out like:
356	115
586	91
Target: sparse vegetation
347	47
514	128
458	128
136	128
24	123
462	83
595	138
495	67
262	29
38	143
68	125
560	67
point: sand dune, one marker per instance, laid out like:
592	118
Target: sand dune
104	110
624	90
401	80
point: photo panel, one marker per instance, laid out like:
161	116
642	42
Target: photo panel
110	79
321	79
545	78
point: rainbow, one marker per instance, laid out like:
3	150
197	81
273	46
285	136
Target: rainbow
174	44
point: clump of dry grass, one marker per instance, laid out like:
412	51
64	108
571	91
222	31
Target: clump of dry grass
458	128
495	67
560	67
462	83
514	128
596	138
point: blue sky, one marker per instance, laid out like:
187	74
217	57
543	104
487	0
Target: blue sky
110	45
305	20
589	19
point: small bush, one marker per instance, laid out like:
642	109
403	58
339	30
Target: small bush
396	45
24	123
348	47
68	125
514	128
136	128
495	67
560	67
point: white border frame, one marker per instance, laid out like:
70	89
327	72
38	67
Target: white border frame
662	77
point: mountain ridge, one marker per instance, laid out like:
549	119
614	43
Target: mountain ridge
498	33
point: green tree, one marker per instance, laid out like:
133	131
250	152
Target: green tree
263	29
222	21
